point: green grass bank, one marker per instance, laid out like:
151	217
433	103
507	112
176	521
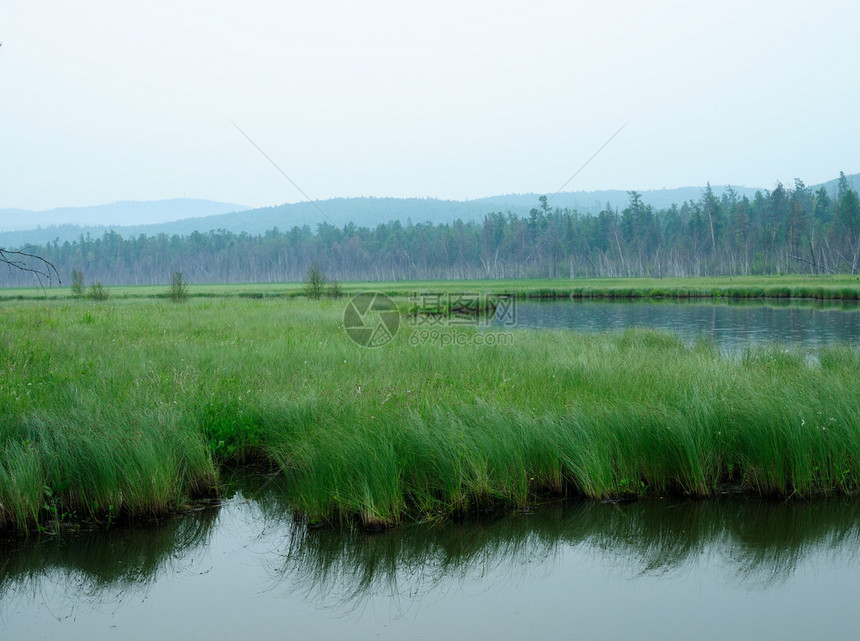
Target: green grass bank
131	407
825	287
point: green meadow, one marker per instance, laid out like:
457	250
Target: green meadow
824	287
134	407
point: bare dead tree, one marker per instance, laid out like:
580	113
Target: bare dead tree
41	268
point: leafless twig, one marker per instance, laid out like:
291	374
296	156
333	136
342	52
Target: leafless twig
40	267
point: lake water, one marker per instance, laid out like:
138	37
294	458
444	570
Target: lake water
730	325
720	569
657	569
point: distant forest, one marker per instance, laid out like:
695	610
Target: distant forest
786	230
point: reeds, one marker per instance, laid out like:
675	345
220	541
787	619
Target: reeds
127	409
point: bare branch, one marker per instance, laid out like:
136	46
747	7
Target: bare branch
40	267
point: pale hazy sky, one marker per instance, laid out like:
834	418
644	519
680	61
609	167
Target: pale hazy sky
103	101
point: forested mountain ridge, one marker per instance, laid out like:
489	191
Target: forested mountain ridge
795	229
363	212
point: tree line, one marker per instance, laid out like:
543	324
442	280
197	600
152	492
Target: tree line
786	230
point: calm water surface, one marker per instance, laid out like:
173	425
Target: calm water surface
730	325
739	569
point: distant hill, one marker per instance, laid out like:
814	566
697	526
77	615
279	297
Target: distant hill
115	214
594	201
832	186
338	211
363	212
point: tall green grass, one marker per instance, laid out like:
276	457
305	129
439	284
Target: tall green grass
127	409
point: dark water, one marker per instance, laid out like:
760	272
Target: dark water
730	325
722	569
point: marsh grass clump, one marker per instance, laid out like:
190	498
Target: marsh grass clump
99	468
578	424
129	409
97	291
